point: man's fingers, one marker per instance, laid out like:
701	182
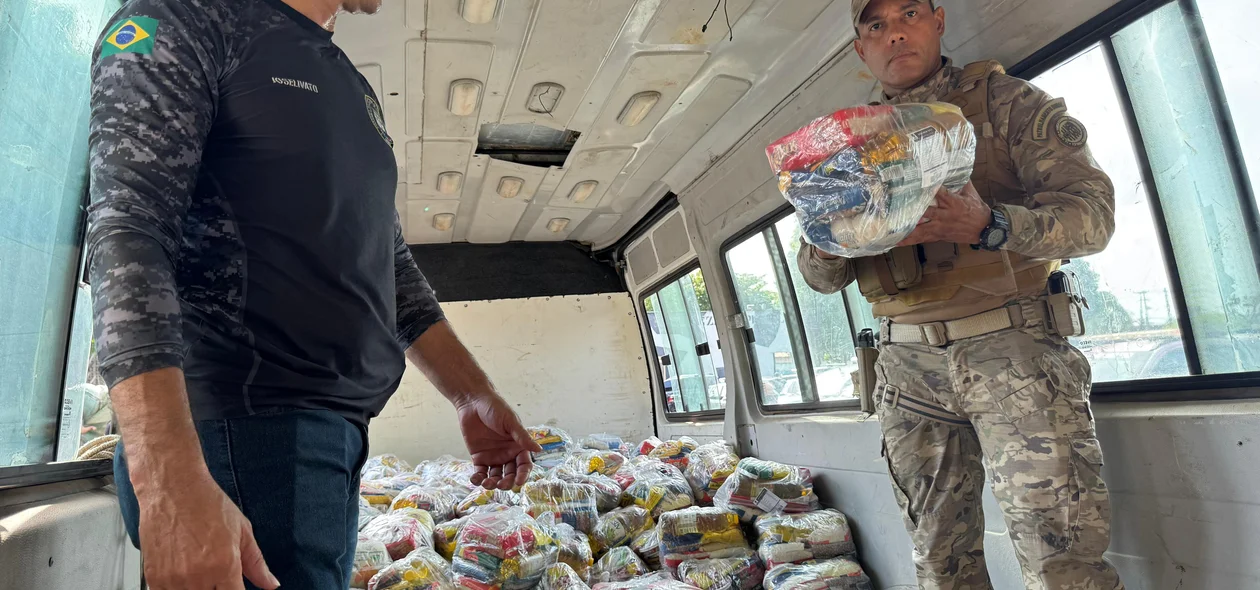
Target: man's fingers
479	475
253	567
524	465
522	437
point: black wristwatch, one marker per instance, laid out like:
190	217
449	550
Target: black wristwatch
993	237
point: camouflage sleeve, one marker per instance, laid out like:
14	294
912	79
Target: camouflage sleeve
823	274
1072	202
152	104
418	307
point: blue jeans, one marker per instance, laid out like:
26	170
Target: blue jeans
295	476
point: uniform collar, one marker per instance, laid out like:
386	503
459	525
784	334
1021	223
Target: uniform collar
933	88
301	19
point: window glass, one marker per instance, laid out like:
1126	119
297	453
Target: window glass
663	353
1131	323
775	351
683	332
1234	50
826	323
45	52
1199	196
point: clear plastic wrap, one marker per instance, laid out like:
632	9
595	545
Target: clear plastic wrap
590	461
383	466
402	531
482	497
445	535
658	487
575	546
707	469
620	527
607	490
832	574
618	565
571	503
700	533
422	569
438	502
861	178
648	546
758	487
555	445
793	538
601	441
675	451
367	512
370	556
562	577
447	471
381	492
743	572
652	581
504	550
647	445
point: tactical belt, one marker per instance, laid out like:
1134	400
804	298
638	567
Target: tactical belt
1016	315
926	408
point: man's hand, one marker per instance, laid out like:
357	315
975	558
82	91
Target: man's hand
499	444
956	218
193	536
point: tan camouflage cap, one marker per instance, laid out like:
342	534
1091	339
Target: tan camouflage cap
859	6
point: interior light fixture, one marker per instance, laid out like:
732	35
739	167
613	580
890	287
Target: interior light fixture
638	107
478	12
557	225
443	221
464	97
510	186
582	191
449	183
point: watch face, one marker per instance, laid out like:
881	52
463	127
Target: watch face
995	238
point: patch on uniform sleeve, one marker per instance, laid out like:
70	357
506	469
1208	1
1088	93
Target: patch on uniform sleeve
1045	115
131	35
1070	131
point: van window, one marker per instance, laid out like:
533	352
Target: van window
687	351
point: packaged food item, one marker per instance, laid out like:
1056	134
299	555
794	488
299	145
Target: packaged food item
402	531
833	574
659	487
366	512
555	444
648	546
562	577
700	533
370	556
444	536
607	490
575	546
422	569
743	572
758	487
504	550
620	526
618	565
383	466
483	497
601	441
674	451
381	492
589	461
861	178
793	538
653	581
571	503
707	469
646	446
438	502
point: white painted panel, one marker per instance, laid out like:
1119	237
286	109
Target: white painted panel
978	15
416	17
595	226
413	55
566	46
445	62
420	213
666	73
427	160
539	232
680	21
73	541
497	217
600	165
372	72
796	15
573	362
445	22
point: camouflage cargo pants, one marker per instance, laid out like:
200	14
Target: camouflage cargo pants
1021	400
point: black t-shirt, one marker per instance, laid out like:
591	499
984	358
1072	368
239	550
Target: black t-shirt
242	224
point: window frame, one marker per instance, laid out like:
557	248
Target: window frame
653	289
792	313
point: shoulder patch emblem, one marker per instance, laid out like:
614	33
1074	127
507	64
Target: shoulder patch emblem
1071	132
378	118
131	35
1046	114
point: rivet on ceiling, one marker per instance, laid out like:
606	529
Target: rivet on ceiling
638	107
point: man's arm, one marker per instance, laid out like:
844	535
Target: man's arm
824	272
153	97
1073	211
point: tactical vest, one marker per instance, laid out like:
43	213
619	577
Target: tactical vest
935	275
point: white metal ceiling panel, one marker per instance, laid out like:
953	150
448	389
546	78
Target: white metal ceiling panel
413	54
496	217
425	161
598	165
666	73
981	14
540	232
681	21
415	17
671	239
796	15
372	73
596	226
717	98
445	21
419	221
641	258
444	63
566	46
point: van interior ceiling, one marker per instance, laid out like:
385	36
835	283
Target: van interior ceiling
585	184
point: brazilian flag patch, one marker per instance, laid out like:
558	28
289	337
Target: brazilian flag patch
132	35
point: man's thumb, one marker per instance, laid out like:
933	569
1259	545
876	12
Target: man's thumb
522	437
252	564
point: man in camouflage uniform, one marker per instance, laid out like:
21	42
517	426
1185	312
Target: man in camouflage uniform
971	370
